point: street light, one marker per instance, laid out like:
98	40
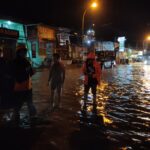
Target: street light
145	42
146	50
148	38
93	6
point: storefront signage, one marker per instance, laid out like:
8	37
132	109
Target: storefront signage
7	33
121	41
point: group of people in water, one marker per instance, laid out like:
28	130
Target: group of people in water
16	82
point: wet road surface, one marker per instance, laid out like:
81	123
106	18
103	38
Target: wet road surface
123	104
123	100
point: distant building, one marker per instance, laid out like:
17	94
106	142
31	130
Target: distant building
41	42
104	46
63	43
14	26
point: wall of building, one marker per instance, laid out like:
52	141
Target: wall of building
41	42
14	26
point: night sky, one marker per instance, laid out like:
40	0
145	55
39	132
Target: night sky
113	17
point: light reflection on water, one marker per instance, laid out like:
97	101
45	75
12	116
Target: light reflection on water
123	99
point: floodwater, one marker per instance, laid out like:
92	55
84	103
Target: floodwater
123	100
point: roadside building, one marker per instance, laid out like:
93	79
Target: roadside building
8	40
11	33
14	26
63	43
41	42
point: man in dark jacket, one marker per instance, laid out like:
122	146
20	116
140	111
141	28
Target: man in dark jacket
23	86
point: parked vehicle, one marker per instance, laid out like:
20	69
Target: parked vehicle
107	59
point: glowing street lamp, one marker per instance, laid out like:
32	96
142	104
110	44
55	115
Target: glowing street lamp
145	42
93	5
148	38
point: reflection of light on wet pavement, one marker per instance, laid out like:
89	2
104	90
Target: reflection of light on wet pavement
146	77
144	118
126	148
101	102
102	86
106	120
123	100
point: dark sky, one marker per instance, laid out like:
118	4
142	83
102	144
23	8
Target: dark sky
113	17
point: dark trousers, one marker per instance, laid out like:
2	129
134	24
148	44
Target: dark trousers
22	97
93	88
86	91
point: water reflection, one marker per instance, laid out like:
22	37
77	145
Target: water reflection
123	100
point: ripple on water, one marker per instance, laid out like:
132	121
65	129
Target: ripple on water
124	98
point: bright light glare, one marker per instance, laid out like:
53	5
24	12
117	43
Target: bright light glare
89	31
9	22
94	5
89	42
148	38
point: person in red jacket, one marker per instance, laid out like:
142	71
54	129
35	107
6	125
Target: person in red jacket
92	71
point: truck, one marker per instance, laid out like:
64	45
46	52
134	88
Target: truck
106	58
106	54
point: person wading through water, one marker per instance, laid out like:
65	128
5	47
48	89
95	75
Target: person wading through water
92	72
56	80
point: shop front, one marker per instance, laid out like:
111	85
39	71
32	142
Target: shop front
41	42
63	45
8	40
11	25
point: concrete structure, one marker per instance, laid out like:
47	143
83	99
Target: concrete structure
41	42
8	40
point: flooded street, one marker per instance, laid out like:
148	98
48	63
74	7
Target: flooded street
122	121
124	102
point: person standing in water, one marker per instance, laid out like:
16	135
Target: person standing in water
56	80
92	71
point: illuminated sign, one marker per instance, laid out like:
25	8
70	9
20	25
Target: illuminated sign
121	41
46	33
